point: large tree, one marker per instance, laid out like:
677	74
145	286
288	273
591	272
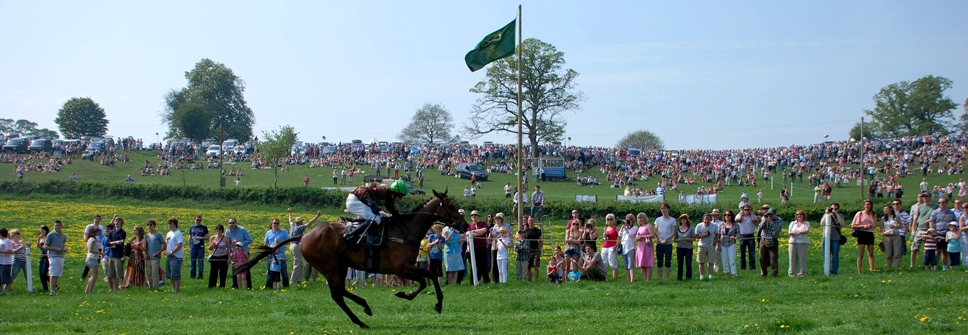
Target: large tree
641	139
275	145
913	108
548	92
430	124
212	105
81	117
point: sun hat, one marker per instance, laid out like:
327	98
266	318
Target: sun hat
475	212
499	215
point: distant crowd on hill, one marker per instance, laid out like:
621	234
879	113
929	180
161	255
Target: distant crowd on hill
828	163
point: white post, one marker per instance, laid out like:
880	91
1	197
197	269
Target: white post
470	247
30	281
826	244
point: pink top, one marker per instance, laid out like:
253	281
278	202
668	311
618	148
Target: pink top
862	218
611	237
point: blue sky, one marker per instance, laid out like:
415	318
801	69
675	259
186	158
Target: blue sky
702	75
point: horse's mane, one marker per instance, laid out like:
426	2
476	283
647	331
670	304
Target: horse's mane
423	204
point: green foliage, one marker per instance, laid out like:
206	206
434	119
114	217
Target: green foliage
913	108
82	117
430	124
25	127
548	92
275	145
219	108
641	139
855	131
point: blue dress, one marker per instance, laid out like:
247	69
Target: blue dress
452	257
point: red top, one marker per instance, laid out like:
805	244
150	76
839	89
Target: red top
611	237
479	241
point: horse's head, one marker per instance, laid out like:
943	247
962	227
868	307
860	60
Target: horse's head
445	208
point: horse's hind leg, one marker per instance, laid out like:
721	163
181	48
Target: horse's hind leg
357	299
337	290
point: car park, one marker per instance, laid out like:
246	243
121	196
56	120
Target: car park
466	170
213	150
229	144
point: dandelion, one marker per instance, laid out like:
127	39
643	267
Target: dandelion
924	319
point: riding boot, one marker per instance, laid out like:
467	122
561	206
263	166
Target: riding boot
353	235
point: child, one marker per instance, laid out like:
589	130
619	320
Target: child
575	274
239	257
930	248
521	247
954	245
502	242
554	264
275	272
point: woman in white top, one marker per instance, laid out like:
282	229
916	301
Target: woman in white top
893	245
94	252
627	239
798	231
502	241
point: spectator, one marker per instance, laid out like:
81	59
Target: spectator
221	249
798	231
434	254
835	220
573	241
770	227
115	259
238	257
297	228
502	242
627	235
94	252
521	248
452	255
684	235
56	248
939	220
44	267
665	227
893	246
238	234
175	243
644	252
727	235
594	267
537	203
951	238
482	253
536	241
134	276
6	261
198	235
274	235
154	244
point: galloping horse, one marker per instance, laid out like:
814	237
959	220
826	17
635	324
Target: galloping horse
326	250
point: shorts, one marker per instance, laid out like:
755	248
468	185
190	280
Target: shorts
706	255
56	266
571	253
534	259
274	276
918	241
115	268
173	267
436	268
610	257
943	245
865	238
5	275
91	263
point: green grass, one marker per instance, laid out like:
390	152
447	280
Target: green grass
878	302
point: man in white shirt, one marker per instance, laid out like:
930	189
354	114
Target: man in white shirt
665	226
175	243
747	229
706	234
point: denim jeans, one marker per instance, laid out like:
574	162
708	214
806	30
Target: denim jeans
197	260
747	249
536	212
684	257
834	255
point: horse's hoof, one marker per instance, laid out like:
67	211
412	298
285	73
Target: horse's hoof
401	295
438	308
367	311
364	326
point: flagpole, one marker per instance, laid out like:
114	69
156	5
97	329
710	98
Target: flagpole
521	192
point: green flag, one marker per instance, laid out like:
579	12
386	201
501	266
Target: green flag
494	46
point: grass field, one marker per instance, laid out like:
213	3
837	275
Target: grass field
880	302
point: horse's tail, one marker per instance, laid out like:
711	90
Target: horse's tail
265	252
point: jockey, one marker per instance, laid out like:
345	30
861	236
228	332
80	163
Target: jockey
365	201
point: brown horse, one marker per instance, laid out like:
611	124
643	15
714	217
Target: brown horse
326	250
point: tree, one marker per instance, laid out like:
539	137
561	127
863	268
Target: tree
217	107
81	117
275	146
25	127
430	124
641	139
548	92
962	125
855	131
913	108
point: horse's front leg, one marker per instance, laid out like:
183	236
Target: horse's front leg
415	274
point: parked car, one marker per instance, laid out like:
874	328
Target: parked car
229	144
214	151
466	170
15	145
40	144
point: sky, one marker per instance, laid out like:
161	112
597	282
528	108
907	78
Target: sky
699	74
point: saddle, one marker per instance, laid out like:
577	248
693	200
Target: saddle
370	238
